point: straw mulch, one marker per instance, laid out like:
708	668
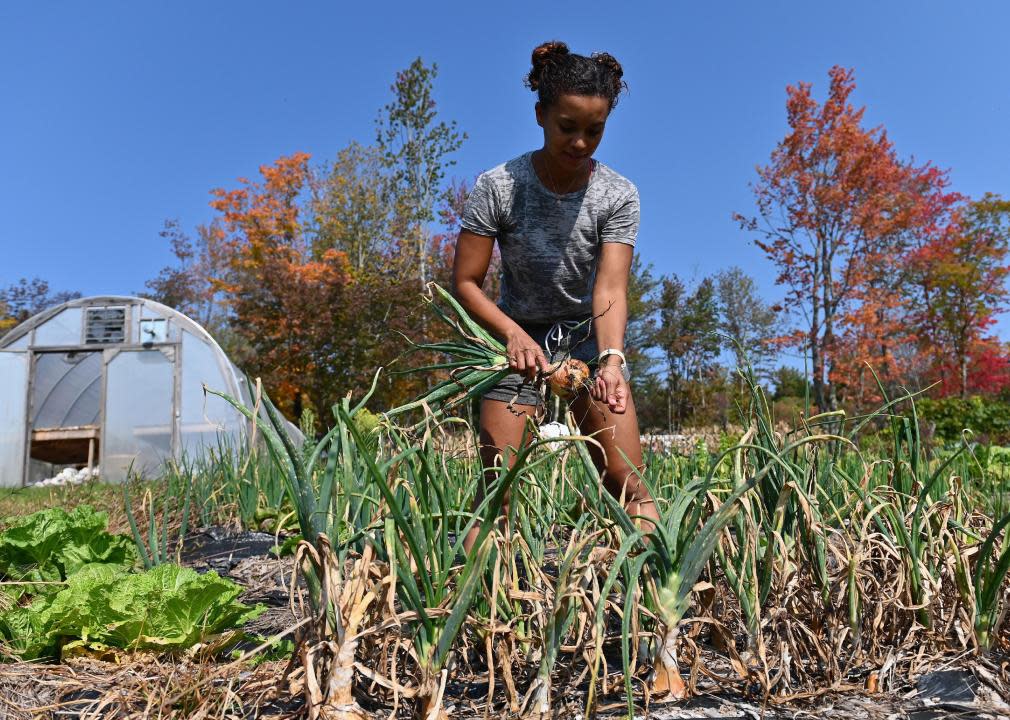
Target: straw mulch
141	686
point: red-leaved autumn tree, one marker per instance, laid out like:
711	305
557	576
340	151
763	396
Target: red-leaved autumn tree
881	343
957	285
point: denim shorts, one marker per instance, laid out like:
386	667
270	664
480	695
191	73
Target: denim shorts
571	338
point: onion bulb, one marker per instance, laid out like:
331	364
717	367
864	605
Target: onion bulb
569	377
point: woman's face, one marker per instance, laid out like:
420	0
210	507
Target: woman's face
573	127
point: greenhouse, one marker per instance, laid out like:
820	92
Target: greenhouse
115	385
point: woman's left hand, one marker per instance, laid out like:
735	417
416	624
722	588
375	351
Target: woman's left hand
609	386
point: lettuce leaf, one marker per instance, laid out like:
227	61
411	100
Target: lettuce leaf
87	596
23	632
53	544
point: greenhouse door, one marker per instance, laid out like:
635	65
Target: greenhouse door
64	416
139	415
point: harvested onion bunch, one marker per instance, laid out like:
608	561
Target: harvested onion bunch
474	358
476	361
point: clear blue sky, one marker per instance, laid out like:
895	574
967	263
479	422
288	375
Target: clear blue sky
118	115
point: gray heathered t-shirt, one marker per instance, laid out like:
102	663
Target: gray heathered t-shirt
550	243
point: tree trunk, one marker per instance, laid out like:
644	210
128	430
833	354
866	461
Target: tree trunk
884	370
829	303
817	363
422	256
816	353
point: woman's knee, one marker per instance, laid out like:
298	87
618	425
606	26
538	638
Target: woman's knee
627	481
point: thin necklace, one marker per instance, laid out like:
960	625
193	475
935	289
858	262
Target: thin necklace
557	195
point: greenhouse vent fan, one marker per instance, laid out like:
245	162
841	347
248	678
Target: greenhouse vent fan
105	325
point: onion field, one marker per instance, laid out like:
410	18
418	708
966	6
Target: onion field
789	567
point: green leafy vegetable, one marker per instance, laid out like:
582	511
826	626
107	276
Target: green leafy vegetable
23	631
167	608
53	544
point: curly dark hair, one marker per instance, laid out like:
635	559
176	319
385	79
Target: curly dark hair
556	71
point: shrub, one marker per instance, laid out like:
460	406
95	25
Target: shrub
988	419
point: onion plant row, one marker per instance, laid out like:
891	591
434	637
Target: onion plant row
792	559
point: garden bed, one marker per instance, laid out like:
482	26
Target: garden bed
140	684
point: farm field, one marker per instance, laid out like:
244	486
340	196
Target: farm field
792	574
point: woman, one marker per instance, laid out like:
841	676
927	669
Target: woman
566	227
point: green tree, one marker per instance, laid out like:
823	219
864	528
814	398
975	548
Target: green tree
687	337
788	382
640	333
414	147
349	207
750	324
640	345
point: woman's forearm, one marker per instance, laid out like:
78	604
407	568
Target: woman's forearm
610	308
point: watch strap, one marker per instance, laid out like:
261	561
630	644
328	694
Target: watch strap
625	371
612	351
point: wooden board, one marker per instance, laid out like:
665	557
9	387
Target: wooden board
66	446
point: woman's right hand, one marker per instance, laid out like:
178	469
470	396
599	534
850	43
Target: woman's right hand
524	355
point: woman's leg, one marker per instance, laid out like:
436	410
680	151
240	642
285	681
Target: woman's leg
502	431
619	436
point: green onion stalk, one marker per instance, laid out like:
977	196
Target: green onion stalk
574	575
991	570
674	554
423	561
328	497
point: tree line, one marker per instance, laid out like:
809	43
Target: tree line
309	275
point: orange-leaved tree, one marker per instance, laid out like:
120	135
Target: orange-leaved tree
314	323
286	306
832	201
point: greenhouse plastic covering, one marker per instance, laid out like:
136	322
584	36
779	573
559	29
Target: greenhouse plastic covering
117	379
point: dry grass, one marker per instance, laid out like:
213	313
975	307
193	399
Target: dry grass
104	497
